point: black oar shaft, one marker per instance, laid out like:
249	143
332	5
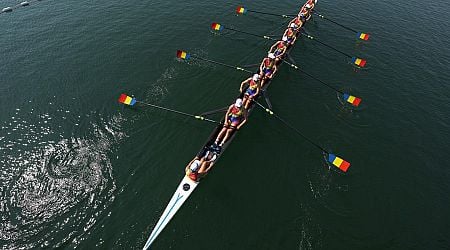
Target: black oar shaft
270	14
323	17
223	64
178	112
326	45
251	34
313	77
290	126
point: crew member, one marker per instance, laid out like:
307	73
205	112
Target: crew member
278	49
298	23
200	165
252	90
235	117
290	35
268	68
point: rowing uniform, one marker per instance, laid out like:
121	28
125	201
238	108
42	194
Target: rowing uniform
289	36
193	170
268	67
252	87
279	50
298	23
235	116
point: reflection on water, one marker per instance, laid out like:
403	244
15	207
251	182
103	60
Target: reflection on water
54	189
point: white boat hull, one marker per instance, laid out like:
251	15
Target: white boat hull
183	191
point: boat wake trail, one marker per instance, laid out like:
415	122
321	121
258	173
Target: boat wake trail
54	187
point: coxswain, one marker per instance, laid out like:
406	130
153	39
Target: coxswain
252	90
298	23
278	49
268	68
200	165
290	35
235	117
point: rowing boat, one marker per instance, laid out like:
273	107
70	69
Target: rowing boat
187	185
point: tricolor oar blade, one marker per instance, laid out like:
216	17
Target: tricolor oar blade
353	100
359	62
183	55
216	26
241	10
362	36
338	162
127	100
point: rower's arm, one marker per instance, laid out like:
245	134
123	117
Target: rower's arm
243	121
228	112
261	66
273	46
243	83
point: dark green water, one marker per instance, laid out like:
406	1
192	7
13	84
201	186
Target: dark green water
78	170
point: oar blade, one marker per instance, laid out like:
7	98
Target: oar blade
183	55
353	100
216	26
338	162
359	62
363	36
241	10
127	100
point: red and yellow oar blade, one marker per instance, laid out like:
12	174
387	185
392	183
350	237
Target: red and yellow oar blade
359	62
241	10
353	100
338	162
127	100
183	55
216	26
362	36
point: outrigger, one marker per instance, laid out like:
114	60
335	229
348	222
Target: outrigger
188	184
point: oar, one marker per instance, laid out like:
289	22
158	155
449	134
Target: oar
242	10
332	158
359	35
219	27
353	100
355	60
131	101
184	55
214	111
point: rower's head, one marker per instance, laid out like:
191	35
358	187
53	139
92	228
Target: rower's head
293	26
308	6
256	77
281	44
238	103
195	165
271	56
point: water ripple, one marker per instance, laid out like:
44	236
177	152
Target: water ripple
52	193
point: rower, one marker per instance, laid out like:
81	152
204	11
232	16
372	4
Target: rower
235	117
268	68
290	35
306	10
278	49
298	23
252	91
200	165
